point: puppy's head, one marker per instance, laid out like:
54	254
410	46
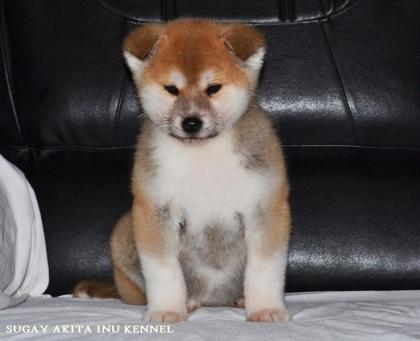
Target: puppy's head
195	78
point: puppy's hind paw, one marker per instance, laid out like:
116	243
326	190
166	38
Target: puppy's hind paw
269	315
239	303
164	316
192	305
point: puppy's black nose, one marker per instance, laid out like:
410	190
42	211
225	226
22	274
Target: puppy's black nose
192	124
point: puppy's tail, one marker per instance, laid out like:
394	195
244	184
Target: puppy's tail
95	289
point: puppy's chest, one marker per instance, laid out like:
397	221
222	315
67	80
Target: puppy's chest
205	184
208	195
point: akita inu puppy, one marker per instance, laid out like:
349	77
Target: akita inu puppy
210	220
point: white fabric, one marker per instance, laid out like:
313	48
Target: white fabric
335	316
23	256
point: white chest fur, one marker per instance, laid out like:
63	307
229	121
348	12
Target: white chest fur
204	183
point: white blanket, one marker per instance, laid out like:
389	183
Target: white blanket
23	257
335	316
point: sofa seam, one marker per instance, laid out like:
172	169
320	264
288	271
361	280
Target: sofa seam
68	148
129	18
174	9
281	11
291	8
117	116
314	20
163	10
248	22
7	71
168	9
340	84
133	147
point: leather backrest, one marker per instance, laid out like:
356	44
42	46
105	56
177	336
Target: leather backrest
337	73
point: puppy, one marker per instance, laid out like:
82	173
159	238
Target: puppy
210	220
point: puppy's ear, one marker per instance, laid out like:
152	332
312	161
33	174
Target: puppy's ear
247	44
140	45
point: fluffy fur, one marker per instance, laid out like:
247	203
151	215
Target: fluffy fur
210	220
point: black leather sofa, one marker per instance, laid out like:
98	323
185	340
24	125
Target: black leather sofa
341	83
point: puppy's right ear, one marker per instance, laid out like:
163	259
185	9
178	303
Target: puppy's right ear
140	45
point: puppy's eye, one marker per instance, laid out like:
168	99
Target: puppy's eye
172	89
212	89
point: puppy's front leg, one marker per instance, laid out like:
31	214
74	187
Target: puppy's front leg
267	236
157	248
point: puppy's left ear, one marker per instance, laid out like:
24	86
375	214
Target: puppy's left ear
247	44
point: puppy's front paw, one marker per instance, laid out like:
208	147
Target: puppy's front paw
164	316
269	315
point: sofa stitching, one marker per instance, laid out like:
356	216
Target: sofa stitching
256	22
171	9
7	71
340	85
286	11
291	10
132	147
67	148
122	14
324	7
118	108
317	19
332	6
281	11
163	10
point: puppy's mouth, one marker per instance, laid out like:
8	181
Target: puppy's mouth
194	139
